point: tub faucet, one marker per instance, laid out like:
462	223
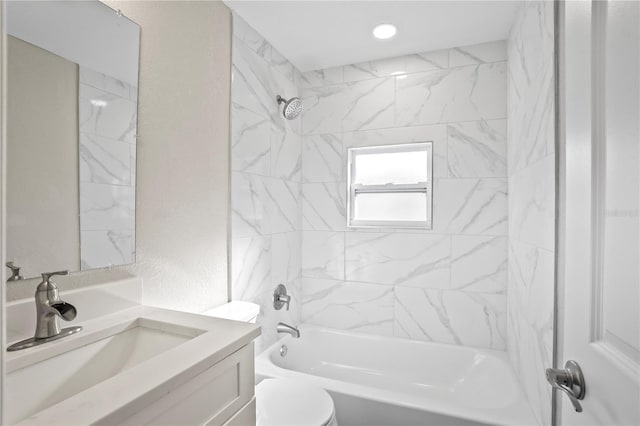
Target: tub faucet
286	328
49	307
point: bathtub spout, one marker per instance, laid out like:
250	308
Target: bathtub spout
286	328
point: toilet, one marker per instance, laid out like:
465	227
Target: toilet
280	401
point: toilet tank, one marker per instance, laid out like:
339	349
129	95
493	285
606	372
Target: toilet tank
236	310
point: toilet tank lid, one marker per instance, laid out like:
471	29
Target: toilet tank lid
236	310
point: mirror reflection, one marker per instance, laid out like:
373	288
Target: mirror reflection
71	137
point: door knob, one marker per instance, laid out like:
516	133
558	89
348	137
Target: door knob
570	381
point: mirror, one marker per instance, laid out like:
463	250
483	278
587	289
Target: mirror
72	95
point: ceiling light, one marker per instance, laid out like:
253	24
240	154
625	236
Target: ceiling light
384	31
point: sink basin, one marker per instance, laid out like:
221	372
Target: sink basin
48	375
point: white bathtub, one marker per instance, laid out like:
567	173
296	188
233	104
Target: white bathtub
389	381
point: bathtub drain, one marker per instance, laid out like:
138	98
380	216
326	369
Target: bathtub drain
283	351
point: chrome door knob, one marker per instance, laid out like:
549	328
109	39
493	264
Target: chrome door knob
570	381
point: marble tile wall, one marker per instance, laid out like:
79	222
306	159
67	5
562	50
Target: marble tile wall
531	159
447	284
266	180
107	157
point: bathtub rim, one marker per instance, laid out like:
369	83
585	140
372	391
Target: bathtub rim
265	368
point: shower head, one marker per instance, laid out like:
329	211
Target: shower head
292	107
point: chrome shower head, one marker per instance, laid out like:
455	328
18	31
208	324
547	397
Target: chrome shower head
292	107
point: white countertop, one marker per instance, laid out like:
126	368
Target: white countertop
123	394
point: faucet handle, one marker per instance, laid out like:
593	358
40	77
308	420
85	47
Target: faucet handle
15	272
46	276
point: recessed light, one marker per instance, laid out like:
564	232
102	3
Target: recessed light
384	31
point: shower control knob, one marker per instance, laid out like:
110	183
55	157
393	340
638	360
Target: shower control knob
280	297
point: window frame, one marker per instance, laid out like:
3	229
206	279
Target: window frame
390	188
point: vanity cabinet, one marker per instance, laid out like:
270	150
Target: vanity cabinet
220	394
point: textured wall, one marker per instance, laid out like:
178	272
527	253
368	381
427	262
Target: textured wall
448	284
532	201
265	159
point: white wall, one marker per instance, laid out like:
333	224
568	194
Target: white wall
530	52
445	285
265	159
183	151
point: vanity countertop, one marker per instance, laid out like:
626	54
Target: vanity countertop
208	340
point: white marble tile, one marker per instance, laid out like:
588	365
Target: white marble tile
100	249
482	53
531	282
369	104
107	115
106	207
252	86
134	164
280	64
456	94
324	109
416	260
470	206
250	206
250	37
436	134
479	264
285	257
133	93
322	158
324	206
365	308
532	204
455	317
477	148
530	50
104	161
286	154
251	267
322	77
375	69
349	106
250	141
323	254
427	61
282	205
104	82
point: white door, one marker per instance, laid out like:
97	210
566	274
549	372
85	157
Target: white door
599	233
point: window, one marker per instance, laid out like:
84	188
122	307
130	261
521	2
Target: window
390	186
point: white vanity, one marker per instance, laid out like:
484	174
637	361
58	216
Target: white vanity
131	364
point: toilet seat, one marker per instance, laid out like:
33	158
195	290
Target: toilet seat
286	402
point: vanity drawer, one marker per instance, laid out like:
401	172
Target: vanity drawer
212	397
246	416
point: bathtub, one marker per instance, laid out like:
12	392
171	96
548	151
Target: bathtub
377	380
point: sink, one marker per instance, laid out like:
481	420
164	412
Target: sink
43	377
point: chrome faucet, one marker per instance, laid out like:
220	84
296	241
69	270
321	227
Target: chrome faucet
286	328
49	307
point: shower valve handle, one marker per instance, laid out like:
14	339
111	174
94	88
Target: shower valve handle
281	298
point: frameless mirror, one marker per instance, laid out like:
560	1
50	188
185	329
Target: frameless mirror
72	95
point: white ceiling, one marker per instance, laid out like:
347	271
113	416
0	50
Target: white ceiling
322	34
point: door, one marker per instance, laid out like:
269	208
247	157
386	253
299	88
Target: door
599	256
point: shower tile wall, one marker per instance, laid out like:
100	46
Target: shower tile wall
265	181
532	201
446	285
